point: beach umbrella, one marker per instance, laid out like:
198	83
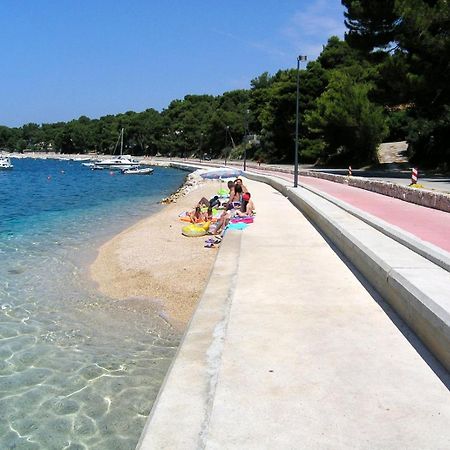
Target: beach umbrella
221	172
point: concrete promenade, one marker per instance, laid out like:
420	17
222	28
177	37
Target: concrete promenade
290	348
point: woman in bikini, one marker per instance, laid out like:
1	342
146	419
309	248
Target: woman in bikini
247	207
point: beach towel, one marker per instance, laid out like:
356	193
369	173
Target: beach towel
247	219
236	226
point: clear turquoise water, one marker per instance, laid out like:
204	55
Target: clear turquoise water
77	370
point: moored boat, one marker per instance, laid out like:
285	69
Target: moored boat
5	163
136	170
118	162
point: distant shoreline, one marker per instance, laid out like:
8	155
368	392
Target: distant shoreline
86	157
66	156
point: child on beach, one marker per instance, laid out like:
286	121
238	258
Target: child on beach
208	215
196	216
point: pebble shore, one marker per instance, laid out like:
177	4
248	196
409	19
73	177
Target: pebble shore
154	261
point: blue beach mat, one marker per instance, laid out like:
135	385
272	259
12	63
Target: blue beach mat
237	226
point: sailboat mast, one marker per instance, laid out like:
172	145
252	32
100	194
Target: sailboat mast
121	142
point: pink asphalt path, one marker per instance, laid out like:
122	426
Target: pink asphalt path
430	225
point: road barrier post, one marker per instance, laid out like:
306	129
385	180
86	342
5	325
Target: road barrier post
414	175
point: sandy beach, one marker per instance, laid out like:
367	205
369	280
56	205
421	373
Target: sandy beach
153	260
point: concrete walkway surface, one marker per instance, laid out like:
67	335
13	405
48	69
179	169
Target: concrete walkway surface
291	349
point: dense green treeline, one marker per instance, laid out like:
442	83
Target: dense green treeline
388	80
407	42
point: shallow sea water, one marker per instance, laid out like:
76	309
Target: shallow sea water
77	370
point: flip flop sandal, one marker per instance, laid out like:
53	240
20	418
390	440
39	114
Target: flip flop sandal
209	245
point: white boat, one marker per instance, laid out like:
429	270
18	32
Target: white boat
118	162
81	158
5	162
137	171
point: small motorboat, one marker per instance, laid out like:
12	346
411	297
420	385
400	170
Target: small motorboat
5	162
137	171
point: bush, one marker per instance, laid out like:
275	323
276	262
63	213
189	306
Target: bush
398	123
430	142
311	149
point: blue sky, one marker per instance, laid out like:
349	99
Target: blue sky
61	59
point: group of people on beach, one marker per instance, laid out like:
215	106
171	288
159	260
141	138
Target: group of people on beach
239	204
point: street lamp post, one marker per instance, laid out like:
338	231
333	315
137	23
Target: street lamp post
246	138
200	147
299	59
178	134
227	130
245	157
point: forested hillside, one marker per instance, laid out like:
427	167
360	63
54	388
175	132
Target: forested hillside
388	80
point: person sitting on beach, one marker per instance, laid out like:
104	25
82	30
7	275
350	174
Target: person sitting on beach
208	215
233	205
235	198
247	207
230	185
223	221
240	182
196	216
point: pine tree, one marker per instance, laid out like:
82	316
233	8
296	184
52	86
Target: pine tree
371	24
